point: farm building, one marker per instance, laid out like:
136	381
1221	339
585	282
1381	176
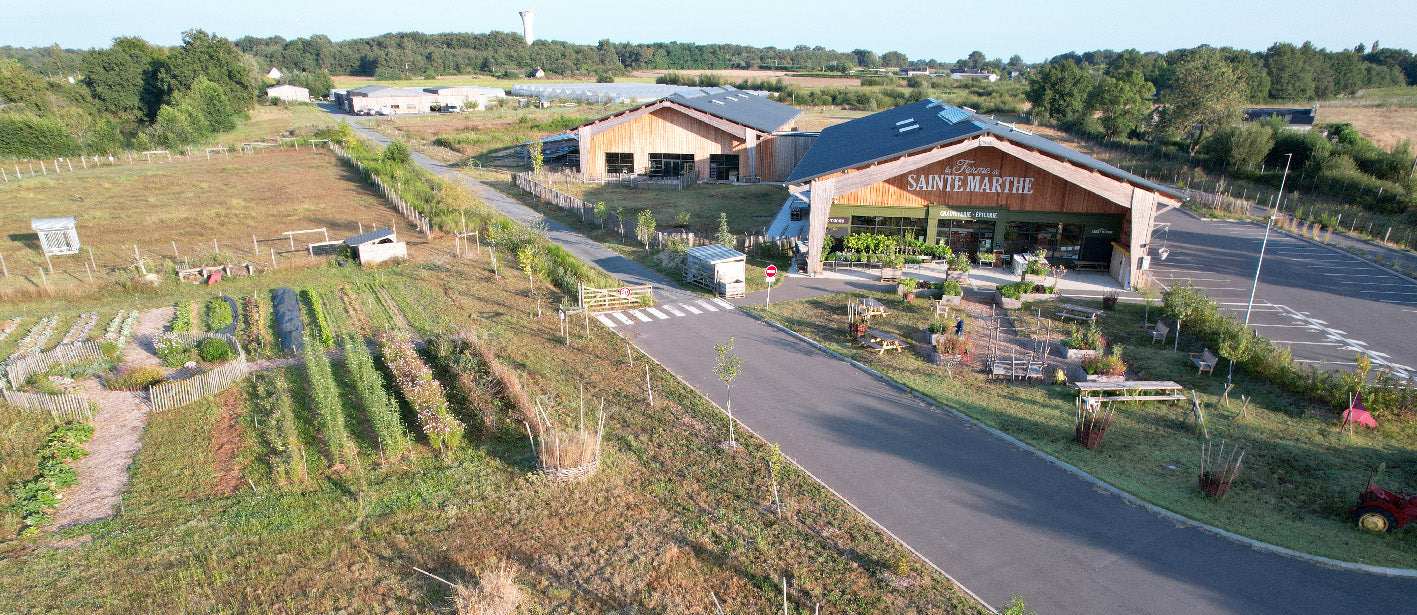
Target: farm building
374	99
274	73
964	73
288	92
950	176
1294	119
721	134
465	97
628	93
377	246
718	268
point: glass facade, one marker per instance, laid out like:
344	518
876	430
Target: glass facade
970	236
893	226
1056	239
619	162
723	167
670	165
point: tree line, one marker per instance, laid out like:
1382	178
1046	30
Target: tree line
131	95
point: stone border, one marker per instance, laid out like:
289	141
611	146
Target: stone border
1096	482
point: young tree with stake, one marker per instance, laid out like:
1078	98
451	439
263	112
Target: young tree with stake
644	226
728	367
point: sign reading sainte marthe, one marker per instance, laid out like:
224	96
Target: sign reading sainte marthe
965	177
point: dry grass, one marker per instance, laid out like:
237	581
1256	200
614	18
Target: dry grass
190	203
1384	126
496	593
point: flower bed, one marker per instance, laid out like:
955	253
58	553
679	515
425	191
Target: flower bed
8	327
422	392
80	330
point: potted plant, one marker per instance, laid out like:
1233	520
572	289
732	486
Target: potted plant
856	325
1219	468
1106	367
958	267
951	293
952	346
1109	300
938	331
1091	424
1083	343
907	288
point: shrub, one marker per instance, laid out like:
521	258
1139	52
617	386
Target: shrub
213	350
182	320
1016	290
135	379
1089	338
951	288
1106	364
173	350
397	152
953	345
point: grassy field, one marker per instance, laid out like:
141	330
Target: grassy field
670	517
1386	116
264	122
354	81
191	202
1301	474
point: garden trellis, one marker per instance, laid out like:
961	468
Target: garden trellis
57	236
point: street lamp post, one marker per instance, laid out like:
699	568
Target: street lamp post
1274	213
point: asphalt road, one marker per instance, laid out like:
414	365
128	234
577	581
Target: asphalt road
997	518
1324	304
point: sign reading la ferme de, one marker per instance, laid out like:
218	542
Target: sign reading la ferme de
964	176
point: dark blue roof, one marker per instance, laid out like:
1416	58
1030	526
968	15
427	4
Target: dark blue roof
370	237
751	110
923	125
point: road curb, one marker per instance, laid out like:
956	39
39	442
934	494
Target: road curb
1096	482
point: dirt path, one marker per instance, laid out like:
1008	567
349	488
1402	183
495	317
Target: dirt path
118	430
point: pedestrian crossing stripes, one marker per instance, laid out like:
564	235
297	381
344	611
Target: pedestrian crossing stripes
681	309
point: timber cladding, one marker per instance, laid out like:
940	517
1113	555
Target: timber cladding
982	177
662	130
779	154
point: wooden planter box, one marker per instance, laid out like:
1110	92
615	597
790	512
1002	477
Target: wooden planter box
1104	378
1089	438
1007	303
927	293
1078	355
1036	279
937	358
950	299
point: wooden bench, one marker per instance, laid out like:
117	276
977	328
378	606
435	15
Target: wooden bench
1078	312
1159	331
1093	393
1096	400
1205	361
1090	265
881	341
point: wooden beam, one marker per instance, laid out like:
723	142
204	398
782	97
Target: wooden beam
854	180
737	130
823	192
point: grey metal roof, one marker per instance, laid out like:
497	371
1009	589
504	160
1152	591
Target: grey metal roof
925	124
380	91
739	107
370	237
52	224
1294	116
715	254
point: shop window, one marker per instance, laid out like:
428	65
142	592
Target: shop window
619	162
723	167
1055	239
670	165
971	236
888	225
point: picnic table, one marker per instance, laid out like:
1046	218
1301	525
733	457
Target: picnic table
1130	390
1078	312
1016	368
882	341
871	306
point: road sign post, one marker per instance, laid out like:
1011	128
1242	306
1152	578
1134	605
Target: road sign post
770	273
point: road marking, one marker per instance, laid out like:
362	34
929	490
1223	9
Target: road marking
706	305
1387	292
726	305
641	317
690	308
672	310
657	314
622	318
605	320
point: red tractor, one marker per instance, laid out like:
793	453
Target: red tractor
1379	510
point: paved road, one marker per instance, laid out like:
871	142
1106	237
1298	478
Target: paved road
1323	304
999	519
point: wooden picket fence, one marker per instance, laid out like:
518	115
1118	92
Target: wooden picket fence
392	196
196	337
61	406
597	300
82	352
182	392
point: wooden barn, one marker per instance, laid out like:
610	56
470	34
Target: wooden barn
949	176
715	134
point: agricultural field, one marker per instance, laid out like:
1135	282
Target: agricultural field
297	471
1385	116
174	211
1301	470
476	134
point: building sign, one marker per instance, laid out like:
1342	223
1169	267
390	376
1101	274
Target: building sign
836	220
963	176
978	215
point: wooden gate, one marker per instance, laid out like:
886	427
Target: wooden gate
597	300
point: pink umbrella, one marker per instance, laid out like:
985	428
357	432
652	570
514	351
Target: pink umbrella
1358	413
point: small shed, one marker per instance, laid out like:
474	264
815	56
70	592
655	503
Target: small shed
720	269
56	235
377	246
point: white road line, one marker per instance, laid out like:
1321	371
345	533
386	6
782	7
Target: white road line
1389	292
641	317
1309	327
690	308
1337	267
706	305
672	310
657	314
726	305
1195	279
1291	343
622	318
1361	275
604	320
1373	283
1352	344
1324	362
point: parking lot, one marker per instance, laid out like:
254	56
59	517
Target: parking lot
1324	305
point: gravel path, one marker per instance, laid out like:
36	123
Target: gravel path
118	430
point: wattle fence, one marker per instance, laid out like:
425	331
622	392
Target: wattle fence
21	370
176	393
62	406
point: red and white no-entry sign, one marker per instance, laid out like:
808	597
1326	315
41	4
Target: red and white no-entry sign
770	272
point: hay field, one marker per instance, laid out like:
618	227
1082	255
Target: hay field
190	202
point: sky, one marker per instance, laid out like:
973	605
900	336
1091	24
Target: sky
1034	29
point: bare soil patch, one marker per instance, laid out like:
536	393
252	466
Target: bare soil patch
227	438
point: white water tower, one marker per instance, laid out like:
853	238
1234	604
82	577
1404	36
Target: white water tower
527	17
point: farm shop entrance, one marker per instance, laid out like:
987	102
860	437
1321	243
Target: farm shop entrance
1063	236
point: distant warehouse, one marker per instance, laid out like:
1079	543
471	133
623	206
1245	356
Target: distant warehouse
713	134
386	100
285	91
